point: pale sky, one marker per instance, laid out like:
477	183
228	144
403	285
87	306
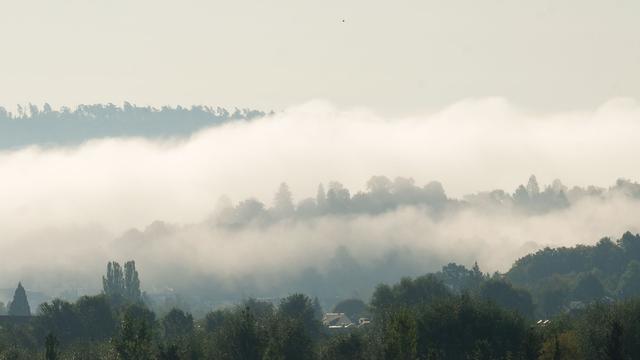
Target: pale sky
391	56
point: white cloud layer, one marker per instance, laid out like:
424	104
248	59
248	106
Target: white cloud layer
61	209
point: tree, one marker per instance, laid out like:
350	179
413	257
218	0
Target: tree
532	187
338	198
317	309
171	352
113	283
119	284
288	339
321	199
476	275
353	308
214	320
614	343
344	347
283	202
260	310
629	284
422	290
19	306
177	324
300	307
133	342
238	338
51	347
463	327
131	282
521	197
553	295
631	245
557	354
60	317
588	288
96	316
504	295
399	339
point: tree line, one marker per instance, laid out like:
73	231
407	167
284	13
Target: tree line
383	195
455	313
44	125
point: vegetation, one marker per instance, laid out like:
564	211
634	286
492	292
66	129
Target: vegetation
34	125
457	313
19	306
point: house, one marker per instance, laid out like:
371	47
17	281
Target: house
337	321
362	322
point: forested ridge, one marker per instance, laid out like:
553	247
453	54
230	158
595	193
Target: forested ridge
33	125
565	303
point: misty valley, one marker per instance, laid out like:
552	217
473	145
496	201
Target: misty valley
319	180
368	275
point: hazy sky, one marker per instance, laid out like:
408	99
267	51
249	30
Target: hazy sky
392	56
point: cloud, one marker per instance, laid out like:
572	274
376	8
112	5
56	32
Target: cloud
66	209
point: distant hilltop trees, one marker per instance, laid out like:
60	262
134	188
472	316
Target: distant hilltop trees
383	195
34	125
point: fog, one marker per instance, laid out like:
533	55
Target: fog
65	211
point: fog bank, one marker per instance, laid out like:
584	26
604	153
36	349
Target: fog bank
67	210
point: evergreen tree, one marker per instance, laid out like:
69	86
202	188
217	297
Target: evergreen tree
19	306
321	199
283	202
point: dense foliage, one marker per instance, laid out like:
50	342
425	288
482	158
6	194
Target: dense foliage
582	274
457	313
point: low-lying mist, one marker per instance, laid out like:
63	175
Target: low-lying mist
199	214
